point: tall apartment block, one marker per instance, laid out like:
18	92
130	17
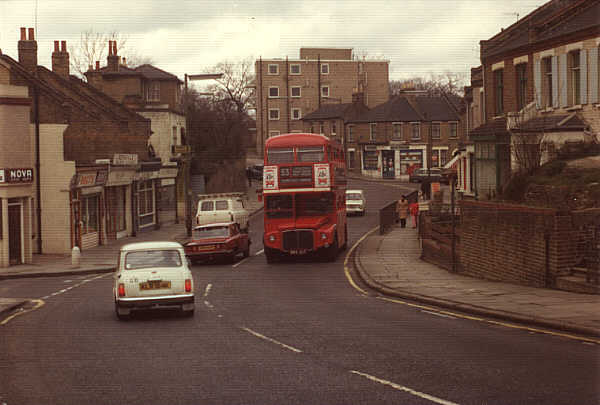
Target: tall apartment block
288	89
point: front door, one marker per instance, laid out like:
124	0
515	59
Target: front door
387	164
14	235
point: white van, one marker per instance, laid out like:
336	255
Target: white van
222	207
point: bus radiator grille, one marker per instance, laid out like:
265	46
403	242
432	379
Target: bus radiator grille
296	240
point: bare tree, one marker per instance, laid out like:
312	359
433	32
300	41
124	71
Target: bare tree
93	46
236	85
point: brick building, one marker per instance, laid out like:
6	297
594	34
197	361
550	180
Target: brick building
156	95
66	179
540	80
288	89
409	131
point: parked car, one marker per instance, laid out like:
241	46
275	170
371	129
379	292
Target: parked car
418	175
151	275
256	172
355	202
214	241
220	208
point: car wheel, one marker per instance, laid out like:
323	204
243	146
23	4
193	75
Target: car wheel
332	251
187	312
122	313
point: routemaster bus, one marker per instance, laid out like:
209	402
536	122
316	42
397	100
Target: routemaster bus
304	186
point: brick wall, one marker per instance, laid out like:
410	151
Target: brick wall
517	244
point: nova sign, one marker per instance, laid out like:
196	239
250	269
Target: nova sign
21	175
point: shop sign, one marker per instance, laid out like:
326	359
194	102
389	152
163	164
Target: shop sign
120	177
101	177
125	159
141	176
166	172
181	149
20	175
167	182
86	179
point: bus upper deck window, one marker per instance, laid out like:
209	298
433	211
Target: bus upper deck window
280	155
310	154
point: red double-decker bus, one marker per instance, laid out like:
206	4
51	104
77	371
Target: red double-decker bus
304	191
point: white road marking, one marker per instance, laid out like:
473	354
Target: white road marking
38	304
240	262
438	314
405	389
259	252
208	304
268	339
207	290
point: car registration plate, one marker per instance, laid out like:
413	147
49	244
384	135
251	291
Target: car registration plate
298	252
155	285
206	247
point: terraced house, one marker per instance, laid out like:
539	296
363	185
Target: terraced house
73	160
540	89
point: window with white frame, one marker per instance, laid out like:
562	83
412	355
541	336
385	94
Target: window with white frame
273	114
273	69
324	91
521	72
415	130
499	92
333	128
296	113
325	68
546	95
146	202
273	133
453	130
296	91
396	131
372	131
273	92
435	130
153	91
295	69
321	128
350	133
574	77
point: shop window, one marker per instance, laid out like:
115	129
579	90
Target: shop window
89	214
146	202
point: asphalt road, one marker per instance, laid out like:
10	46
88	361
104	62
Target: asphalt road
286	333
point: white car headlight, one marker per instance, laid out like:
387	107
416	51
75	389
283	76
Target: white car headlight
271	238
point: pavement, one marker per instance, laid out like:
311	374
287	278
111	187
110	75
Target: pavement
389	264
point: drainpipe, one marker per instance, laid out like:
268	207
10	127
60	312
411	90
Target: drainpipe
36	119
319	80
287	91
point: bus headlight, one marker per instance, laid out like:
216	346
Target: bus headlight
271	238
323	235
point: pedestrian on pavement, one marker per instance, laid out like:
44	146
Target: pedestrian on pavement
414	212
402	210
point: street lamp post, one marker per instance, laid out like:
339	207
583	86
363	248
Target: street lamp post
188	154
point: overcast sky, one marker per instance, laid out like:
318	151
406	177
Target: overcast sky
418	37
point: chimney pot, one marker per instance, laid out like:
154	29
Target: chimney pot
56	46
97	65
114	47
23	34
124	61
31	35
109	48
63	46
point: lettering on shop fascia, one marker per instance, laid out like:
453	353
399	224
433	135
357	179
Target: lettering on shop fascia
20	175
125	159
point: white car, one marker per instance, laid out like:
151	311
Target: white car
355	202
222	207
152	275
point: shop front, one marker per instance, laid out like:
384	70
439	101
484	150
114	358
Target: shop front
118	202
167	195
147	187
87	208
16	202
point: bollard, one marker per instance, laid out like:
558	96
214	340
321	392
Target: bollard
75	257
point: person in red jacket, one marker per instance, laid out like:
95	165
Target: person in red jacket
414	212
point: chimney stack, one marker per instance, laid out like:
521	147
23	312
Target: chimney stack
112	60
60	59
28	50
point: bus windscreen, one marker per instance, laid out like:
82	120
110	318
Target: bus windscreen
280	155
312	154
